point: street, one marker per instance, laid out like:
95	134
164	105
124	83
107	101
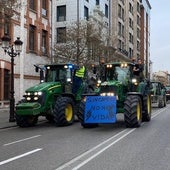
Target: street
109	146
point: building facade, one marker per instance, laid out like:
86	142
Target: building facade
65	12
32	23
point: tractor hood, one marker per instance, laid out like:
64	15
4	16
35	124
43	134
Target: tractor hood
110	88
44	86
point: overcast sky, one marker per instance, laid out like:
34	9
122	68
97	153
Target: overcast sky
160	35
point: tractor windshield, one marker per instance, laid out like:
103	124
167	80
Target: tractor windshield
58	74
118	73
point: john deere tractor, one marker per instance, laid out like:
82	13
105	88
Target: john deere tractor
119	91
158	94
52	97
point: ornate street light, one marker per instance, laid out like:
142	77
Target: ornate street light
9	49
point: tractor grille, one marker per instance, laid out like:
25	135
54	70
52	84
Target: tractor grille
108	89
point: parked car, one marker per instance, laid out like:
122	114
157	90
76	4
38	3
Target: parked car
167	92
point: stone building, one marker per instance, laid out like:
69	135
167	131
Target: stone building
130	30
32	23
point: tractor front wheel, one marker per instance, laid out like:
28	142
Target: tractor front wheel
133	111
64	111
147	109
26	121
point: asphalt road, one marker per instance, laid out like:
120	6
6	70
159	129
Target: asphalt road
108	147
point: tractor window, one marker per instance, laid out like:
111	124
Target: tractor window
50	76
123	74
111	74
57	74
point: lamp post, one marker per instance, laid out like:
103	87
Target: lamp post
9	49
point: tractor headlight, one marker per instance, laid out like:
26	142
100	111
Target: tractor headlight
134	80
99	81
107	94
68	79
38	93
35	98
28	98
27	93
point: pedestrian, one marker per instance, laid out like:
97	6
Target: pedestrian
78	77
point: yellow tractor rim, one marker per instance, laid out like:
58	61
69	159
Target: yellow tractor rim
138	112
69	112
148	104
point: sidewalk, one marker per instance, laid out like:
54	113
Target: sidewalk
4	119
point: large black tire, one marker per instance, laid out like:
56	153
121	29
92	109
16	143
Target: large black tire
64	111
80	116
50	118
146	116
165	101
26	121
133	111
160	101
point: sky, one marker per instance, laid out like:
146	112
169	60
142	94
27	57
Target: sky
160	35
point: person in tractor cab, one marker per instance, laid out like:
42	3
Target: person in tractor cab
78	77
138	70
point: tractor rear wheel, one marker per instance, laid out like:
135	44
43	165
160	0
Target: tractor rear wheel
64	111
26	121
133	111
147	109
81	117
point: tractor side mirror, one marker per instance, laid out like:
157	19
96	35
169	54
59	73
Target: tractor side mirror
36	68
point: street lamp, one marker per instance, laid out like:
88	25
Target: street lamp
9	49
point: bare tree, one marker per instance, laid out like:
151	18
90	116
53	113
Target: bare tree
81	41
7	10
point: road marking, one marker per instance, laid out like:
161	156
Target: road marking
19	156
21	140
98	148
159	111
75	164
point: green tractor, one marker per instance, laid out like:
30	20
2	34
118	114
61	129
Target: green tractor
130	94
158	94
52	97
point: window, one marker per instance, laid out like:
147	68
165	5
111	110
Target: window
130	52
138	7
32	4
121	12
130	23
44	42
61	13
138	33
7	25
86	13
97	2
61	35
130	38
44	8
32	38
138	20
138	45
106	11
120	29
130	8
